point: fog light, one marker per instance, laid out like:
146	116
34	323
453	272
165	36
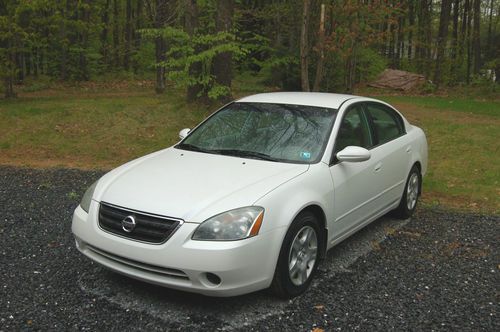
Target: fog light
213	278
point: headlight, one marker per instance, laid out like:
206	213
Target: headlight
231	225
87	197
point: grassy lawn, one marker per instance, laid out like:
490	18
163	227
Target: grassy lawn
92	129
102	126
464	150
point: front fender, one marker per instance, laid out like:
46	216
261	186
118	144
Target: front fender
285	202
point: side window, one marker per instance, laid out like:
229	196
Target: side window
387	124
354	130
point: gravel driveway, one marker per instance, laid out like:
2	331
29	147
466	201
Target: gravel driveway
438	271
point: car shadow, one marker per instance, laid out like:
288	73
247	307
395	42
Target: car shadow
179	306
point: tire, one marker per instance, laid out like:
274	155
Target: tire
409	200
300	253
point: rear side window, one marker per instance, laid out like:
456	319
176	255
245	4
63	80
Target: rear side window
387	124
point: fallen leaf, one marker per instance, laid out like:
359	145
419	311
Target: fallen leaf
53	244
389	230
411	234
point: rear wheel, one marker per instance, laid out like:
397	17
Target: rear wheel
299	256
410	196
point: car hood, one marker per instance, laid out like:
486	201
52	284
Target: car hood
192	185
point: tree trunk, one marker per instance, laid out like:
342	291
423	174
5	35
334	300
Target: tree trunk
392	41
9	88
442	37
462	39
401	39
160	49
411	23
42	62
84	39
428	37
488	39
21	64
35	62
137	36
65	10
454	47
423	36
104	33
419	39
468	43
116	33
383	30
321	51
223	61
28	64
456	11
9	76
128	35
477	37
191	24
304	47
350	70
77	74
497	72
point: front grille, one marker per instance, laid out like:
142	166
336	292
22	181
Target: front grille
149	228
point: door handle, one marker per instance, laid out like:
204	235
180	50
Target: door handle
408	149
378	167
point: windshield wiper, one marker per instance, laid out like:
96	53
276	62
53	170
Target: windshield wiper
247	154
191	147
227	152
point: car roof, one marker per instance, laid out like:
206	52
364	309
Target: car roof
319	99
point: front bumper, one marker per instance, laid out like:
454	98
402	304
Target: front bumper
243	266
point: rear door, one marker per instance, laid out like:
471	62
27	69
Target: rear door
391	152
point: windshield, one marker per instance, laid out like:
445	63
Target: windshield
277	132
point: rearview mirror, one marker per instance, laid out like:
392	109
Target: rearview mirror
183	133
353	154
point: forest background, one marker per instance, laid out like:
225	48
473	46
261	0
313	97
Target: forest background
91	84
201	45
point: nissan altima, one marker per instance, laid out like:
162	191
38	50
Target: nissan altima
255	195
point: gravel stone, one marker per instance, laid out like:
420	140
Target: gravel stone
440	271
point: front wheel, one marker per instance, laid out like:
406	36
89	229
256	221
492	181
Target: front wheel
298	259
409	199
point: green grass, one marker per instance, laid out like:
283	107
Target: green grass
464	150
92	131
471	106
102	126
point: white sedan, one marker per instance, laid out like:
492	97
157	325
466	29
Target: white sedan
255	195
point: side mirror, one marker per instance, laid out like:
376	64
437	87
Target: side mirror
183	133
353	154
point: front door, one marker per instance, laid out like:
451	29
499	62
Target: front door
353	182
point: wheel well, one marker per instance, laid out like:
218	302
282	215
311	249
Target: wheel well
320	215
419	167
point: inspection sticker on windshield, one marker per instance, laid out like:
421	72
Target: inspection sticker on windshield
305	155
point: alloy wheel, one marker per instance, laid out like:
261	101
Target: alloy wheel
302	256
412	191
